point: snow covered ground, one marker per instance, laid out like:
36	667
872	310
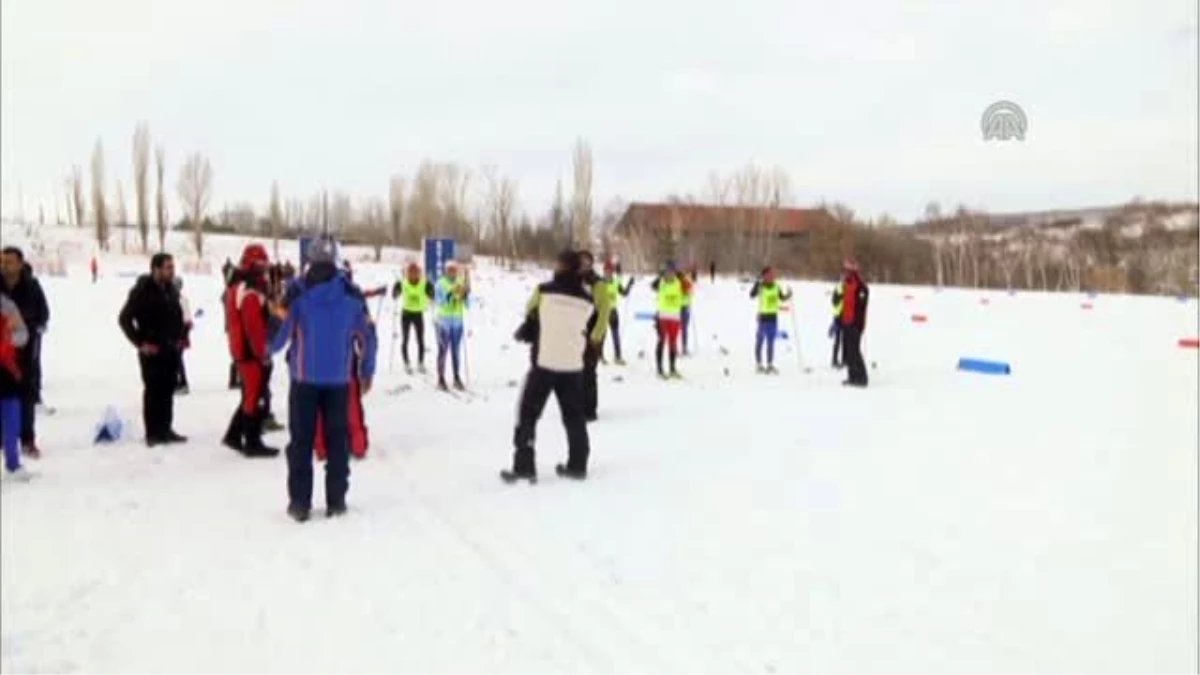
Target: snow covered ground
938	521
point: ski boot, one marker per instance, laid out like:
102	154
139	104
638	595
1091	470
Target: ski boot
564	472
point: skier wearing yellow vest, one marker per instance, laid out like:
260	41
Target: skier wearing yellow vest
771	297
595	326
414	292
685	315
835	328
670	288
612	286
450	294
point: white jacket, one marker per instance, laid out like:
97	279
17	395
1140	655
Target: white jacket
563	332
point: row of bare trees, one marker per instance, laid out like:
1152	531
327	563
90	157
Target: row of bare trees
194	187
484	210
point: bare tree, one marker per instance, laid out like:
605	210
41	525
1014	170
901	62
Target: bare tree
160	170
501	204
77	198
122	217
195	190
581	200
396	209
275	219
141	186
375	226
99	203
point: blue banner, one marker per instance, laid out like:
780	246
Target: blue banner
438	252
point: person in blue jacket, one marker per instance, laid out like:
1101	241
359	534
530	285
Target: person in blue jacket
323	316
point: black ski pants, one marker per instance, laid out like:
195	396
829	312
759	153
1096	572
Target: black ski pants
568	390
410	321
852	344
614	327
305	401
159	373
591	393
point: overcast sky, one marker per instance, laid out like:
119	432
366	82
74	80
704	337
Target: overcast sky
876	103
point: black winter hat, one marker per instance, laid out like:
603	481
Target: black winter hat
570	261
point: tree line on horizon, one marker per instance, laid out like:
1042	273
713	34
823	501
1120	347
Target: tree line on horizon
482	208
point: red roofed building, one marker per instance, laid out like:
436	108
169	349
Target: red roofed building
700	234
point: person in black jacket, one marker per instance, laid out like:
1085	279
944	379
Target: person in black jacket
152	320
16	277
853	319
555	327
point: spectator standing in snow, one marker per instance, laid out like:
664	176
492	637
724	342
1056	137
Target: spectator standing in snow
324	316
612	284
23	288
555	327
853	320
13	336
181	381
152	320
247	310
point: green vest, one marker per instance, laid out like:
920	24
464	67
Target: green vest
670	298
687	296
453	306
769	299
614	291
413	295
840	294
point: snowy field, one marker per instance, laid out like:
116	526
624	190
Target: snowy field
938	521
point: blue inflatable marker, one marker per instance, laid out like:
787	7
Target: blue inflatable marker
985	367
644	316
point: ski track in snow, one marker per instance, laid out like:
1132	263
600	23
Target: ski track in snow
935	522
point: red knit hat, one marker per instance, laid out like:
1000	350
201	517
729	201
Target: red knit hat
254	255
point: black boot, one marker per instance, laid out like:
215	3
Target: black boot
254	446
233	436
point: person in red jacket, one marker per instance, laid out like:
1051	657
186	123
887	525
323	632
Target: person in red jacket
246	311
853	319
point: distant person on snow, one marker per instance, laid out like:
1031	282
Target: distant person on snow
450	296
670	289
771	297
23	288
415	293
602	307
247	311
612	284
95	268
688	279
181	382
853	320
152	321
712	271
555	327
835	327
13	337
323	317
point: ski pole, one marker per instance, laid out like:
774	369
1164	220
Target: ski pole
796	335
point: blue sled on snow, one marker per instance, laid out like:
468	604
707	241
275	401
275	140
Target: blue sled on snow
984	367
110	429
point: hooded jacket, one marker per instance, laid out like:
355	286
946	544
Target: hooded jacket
325	316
